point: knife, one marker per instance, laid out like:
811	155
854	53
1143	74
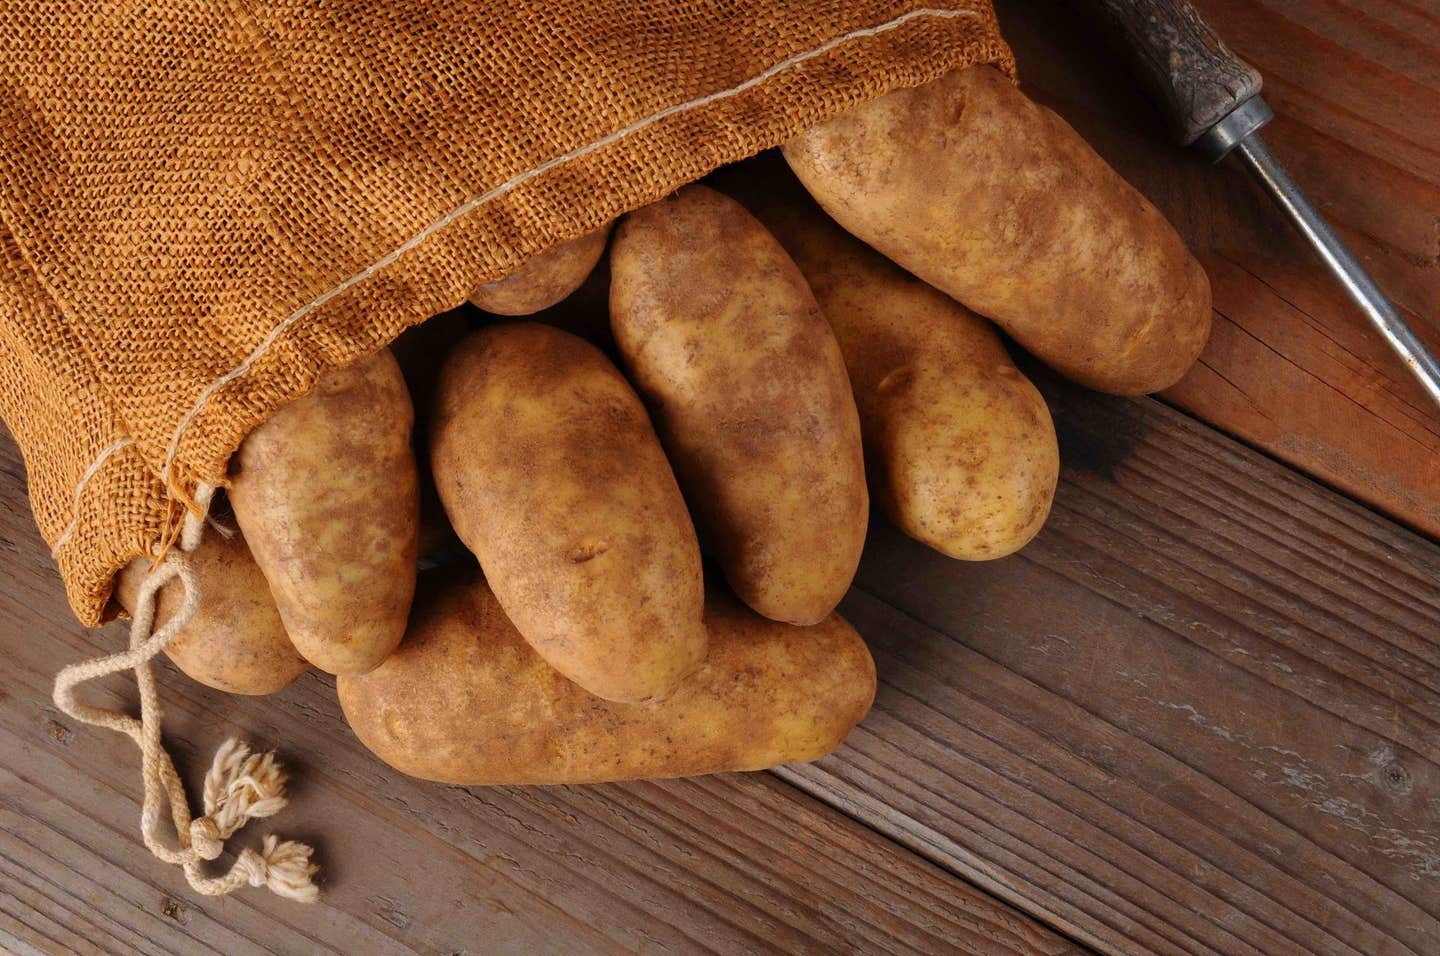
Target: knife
1211	101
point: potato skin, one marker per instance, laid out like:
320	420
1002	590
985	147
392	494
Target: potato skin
552	476
997	202
327	495
544	280
959	445
235	642
747	385
465	700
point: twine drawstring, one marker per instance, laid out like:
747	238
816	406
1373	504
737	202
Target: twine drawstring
240	786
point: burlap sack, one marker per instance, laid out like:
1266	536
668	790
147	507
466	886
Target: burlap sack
206	205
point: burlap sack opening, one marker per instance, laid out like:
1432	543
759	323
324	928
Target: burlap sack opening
205	206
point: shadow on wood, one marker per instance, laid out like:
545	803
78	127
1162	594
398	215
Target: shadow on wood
1198	712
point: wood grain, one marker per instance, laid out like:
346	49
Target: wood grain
1292	366
1197	714
730	864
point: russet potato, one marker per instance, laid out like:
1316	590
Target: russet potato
997	202
748	389
959	445
545	279
465	700
553	477
326	492
236	641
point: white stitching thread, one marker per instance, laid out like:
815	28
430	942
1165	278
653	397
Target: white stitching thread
473	204
90	472
510	184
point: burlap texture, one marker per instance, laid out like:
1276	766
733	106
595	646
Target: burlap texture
204	205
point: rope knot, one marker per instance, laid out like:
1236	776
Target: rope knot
283	867
240	785
252	867
243	786
205	838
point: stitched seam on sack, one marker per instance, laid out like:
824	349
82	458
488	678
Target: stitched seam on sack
90	472
519	179
515	181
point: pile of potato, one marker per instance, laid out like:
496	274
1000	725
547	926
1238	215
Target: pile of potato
770	369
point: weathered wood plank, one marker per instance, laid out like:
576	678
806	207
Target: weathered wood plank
1197	714
1292	366
732	864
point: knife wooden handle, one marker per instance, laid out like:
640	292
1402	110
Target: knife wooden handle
1183	64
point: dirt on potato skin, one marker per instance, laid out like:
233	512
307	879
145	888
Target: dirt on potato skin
552	475
327	494
466	700
997	202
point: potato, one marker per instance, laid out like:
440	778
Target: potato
586	311
235	642
551	474
748	389
465	700
326	493
959	446
543	280
996	201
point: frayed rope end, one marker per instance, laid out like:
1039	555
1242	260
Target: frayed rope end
240	785
284	867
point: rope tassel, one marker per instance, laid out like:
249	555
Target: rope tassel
240	785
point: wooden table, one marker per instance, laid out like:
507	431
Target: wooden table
1198	714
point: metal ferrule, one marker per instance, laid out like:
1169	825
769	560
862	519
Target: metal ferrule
1217	142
